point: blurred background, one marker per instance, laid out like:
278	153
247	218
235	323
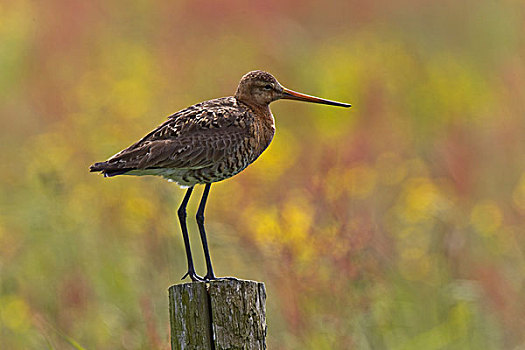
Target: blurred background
397	224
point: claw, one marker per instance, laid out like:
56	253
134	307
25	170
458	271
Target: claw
213	278
210	277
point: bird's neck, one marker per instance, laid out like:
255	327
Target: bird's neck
262	111
257	108
267	129
266	125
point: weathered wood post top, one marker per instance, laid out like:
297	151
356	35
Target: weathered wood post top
221	314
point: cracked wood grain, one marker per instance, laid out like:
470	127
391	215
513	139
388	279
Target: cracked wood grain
222	314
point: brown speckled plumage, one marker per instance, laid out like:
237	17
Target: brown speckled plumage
208	142
204	143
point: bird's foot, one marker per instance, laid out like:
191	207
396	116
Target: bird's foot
210	277
194	277
213	278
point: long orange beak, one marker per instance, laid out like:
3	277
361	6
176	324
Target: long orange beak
294	95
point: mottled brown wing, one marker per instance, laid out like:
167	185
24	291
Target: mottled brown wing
194	138
187	152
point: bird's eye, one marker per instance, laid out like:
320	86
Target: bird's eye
268	87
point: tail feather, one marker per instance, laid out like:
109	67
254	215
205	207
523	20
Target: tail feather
98	166
108	170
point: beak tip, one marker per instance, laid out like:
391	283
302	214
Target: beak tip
294	95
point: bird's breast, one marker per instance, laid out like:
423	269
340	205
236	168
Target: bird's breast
265	131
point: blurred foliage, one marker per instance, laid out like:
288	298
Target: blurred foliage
397	224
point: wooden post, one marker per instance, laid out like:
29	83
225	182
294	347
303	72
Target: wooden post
222	314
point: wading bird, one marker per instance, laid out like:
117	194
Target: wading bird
206	143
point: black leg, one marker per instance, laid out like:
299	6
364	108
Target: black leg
182	219
200	223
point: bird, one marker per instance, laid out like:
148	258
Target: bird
206	143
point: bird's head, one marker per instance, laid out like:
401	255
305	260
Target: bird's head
261	88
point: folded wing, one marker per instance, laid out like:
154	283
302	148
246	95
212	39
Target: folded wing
194	138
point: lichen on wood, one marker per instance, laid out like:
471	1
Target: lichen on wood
222	314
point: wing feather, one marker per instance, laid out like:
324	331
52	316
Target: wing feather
194	138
